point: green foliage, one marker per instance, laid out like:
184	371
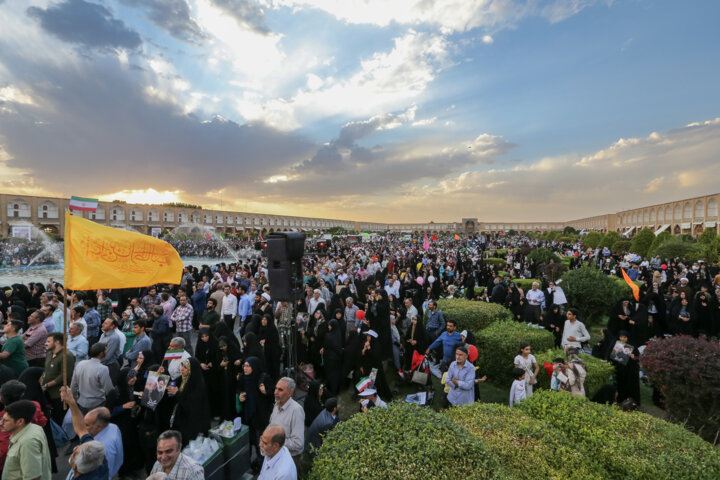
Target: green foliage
709	245
599	372
659	240
625	290
499	343
675	247
16	240
553	271
472	315
685	369
496	261
514	438
181	205
336	231
501	251
591	291
543	255
707	237
625	445
642	241
621	246
525	283
592	239
567	238
569	231
609	239
402	442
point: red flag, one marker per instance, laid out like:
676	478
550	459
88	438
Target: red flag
434	238
635	289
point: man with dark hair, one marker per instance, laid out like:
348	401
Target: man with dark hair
574	331
278	463
210	317
111	340
151	300
160	332
324	422
93	322
51	380
34	338
91	382
13	351
173	463
448	340
28	457
140	342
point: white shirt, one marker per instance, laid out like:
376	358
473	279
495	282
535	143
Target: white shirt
279	467
229	305
559	296
577	330
535	297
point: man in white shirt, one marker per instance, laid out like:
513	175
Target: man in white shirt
288	414
229	307
393	288
574	332
278	463
535	299
315	301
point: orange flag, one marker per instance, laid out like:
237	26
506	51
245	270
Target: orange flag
106	257
457	237
635	289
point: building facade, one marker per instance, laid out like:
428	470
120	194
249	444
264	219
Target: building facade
20	214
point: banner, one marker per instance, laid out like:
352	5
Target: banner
104	257
83	204
633	286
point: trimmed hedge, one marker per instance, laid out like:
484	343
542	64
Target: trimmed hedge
599	372
472	315
402	442
526	283
499	343
496	261
515	438
626	445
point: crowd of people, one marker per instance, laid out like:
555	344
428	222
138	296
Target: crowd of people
23	253
149	369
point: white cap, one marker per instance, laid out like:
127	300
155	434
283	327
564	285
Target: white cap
367	392
463	333
372	333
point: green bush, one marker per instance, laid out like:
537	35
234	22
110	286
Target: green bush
543	255
659	240
599	372
675	247
626	445
621	246
592	239
496	261
591	291
642	241
514	438
499	343
501	251
609	239
402	442
472	315
625	290
526	283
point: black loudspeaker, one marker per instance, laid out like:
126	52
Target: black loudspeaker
284	253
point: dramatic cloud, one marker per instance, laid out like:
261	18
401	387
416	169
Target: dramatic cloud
246	13
449	15
87	24
173	16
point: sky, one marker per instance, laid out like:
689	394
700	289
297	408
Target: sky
366	110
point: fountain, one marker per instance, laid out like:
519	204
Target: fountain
198	230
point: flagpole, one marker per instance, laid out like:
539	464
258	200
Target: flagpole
65	345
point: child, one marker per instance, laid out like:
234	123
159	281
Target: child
517	391
558	376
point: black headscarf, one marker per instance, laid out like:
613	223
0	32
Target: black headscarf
313	403
249	384
206	352
222	330
253	348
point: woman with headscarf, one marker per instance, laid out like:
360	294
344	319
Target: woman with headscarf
332	353
317	328
270	341
627	370
314	402
222	330
254	349
191	415
603	348
380	323
230	360
351	356
415	341
372	358
340	318
255	395
207	353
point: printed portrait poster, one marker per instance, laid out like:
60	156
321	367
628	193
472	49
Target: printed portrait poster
154	389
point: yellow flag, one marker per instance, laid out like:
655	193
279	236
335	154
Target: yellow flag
105	257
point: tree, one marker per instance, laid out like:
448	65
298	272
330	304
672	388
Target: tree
621	246
707	237
543	255
610	238
592	239
642	241
662	237
569	230
591	291
685	369
675	247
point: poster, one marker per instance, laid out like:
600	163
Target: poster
21	232
155	232
154	389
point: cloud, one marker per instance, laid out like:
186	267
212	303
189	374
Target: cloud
87	24
172	16
246	13
487	39
448	15
386	81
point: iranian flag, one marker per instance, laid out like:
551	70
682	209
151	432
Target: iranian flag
83	204
363	384
173	355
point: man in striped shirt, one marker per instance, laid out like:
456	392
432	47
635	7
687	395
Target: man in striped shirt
182	318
